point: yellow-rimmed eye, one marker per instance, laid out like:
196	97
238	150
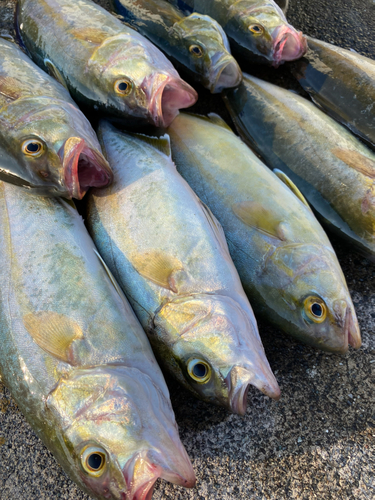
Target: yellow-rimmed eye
196	50
33	147
124	86
257	29
199	370
93	461
315	309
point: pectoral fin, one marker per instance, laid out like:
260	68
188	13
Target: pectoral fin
159	268
162	144
255	215
356	160
10	88
92	35
217	120
290	184
54	72
54	333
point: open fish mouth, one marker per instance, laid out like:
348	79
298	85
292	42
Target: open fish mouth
289	45
227	75
83	167
171	96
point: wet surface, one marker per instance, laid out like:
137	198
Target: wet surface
318	441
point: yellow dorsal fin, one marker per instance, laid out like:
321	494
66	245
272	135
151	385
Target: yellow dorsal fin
91	35
54	333
356	160
158	268
54	72
162	144
216	227
214	118
290	184
255	215
10	87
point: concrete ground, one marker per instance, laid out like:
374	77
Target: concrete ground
318	441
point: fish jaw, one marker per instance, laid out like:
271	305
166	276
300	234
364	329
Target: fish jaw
83	167
167	98
239	380
289	45
351	333
226	74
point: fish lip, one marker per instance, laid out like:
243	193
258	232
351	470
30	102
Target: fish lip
281	37
75	151
162	114
226	63
351	329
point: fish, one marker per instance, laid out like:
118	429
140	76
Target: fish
333	169
75	358
106	65
257	29
342	83
47	145
170	257
286	263
196	43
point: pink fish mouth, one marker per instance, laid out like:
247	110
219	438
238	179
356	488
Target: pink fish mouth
171	96
351	329
289	45
227	75
83	167
239	380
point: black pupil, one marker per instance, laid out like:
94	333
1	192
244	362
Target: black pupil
33	147
256	28
317	310
200	370
196	50
123	86
95	461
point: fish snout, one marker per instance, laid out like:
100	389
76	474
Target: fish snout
83	167
289	45
226	74
346	319
239	380
168	96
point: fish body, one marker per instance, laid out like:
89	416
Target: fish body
46	143
106	65
285	261
170	257
332	168
196	43
257	29
342	83
75	357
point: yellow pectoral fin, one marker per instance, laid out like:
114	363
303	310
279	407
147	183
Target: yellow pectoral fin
162	144
158	268
54	333
10	87
91	35
214	118
290	184
356	160
254	215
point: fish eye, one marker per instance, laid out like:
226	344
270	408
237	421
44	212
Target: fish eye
257	29
199	370
33	147
315	309
93	461
123	87
196	50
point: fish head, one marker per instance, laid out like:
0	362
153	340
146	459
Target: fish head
265	32
305	285
53	148
206	52
132	83
212	346
119	433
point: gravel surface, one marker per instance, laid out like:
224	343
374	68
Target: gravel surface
318	441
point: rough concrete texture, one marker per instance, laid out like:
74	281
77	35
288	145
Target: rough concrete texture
318	441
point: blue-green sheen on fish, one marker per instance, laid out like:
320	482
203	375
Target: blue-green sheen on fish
342	83
105	64
285	261
257	29
46	144
333	169
196	43
170	256
76	359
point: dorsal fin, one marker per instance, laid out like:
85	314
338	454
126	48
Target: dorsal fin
216	227
54	72
162	144
54	333
214	118
290	184
356	160
255	215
